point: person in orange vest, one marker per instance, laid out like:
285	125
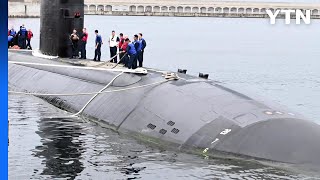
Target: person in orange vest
29	36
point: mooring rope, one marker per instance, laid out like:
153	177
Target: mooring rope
92	93
93	97
119	61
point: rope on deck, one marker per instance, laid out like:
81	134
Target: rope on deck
93	97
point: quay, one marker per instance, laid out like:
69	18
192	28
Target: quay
187	8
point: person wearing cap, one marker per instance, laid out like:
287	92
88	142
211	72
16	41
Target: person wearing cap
143	45
113	44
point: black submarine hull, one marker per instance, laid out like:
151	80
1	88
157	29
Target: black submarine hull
190	113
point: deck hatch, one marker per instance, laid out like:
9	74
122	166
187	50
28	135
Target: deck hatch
151	126
175	130
162	131
171	123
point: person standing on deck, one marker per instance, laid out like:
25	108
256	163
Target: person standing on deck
124	54
113	43
29	36
138	46
98	43
74	37
23	37
144	45
122	39
83	43
131	50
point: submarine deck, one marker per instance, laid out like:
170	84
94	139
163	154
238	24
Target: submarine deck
190	112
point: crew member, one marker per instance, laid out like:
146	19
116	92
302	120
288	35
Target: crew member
97	52
144	45
131	51
22	37
29	36
10	40
113	43
138	46
122	39
12	32
83	43
124	54
74	37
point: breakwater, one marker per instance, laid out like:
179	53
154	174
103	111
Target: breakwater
202	8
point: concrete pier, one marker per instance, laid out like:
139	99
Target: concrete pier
201	8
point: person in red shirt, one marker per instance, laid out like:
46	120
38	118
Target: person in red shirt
121	40
29	36
123	54
83	43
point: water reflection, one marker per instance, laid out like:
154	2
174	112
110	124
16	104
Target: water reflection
61	147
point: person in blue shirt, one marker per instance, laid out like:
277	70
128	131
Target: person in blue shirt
131	51
10	41
22	35
98	43
138	46
12	32
144	45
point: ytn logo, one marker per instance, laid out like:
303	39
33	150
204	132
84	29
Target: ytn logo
299	15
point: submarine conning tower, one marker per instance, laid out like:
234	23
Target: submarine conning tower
57	20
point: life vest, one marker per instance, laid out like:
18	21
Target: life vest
23	32
132	50
113	41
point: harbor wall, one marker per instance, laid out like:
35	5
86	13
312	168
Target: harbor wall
221	9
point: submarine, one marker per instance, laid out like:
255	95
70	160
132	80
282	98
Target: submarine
173	109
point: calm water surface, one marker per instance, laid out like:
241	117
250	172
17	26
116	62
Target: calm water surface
278	62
